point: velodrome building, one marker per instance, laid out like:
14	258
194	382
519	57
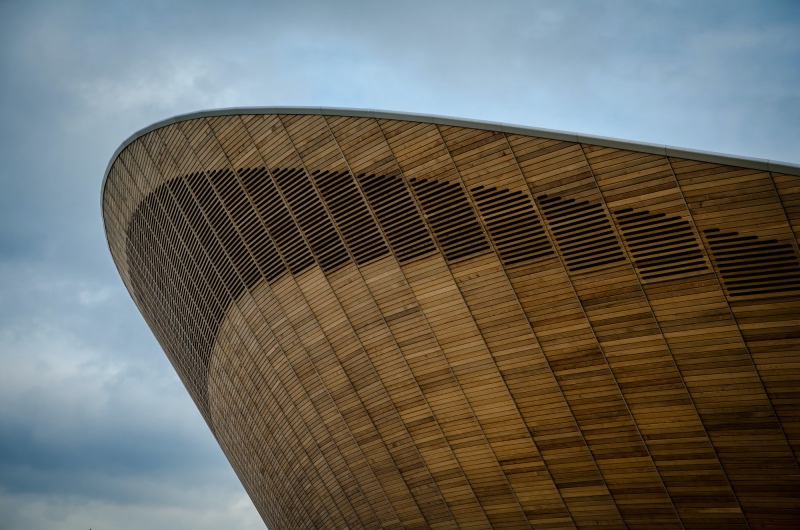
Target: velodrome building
401	321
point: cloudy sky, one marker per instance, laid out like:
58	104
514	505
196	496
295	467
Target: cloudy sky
96	430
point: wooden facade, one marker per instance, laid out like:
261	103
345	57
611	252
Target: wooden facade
400	323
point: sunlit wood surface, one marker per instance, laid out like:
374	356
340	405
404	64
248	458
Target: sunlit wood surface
393	324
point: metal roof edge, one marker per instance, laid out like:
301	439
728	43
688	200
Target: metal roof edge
718	158
784	167
665	150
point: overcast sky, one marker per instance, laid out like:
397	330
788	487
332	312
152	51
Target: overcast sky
96	430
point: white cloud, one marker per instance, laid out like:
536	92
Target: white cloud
24	511
94	296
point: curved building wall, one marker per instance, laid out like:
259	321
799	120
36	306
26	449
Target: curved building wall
394	323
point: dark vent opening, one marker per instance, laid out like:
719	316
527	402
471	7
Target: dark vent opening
240	208
750	265
208	219
661	246
513	225
451	217
178	273
358	227
266	254
273	212
325	242
583	232
397	215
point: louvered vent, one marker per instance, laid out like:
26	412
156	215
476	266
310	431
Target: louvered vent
397	215
358	227
279	223
223	230
661	246
325	242
752	266
513	224
583	232
174	267
261	246
452	219
248	224
200	225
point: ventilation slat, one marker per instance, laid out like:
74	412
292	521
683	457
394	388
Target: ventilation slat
394	207
580	228
451	217
273	212
661	246
325	242
750	265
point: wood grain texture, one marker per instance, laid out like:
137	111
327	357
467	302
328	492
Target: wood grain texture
395	324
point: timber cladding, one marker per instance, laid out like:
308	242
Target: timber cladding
401	324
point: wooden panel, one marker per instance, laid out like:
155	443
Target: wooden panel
439	427
244	465
372	426
344	395
478	448
326	423
730	199
494	407
288	368
209	203
390	324
788	189
510	338
483	161
559	169
685	299
352	294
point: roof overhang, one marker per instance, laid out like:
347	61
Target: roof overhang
656	149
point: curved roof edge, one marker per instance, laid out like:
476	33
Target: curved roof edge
656	149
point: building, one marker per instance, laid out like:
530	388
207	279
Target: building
402	321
